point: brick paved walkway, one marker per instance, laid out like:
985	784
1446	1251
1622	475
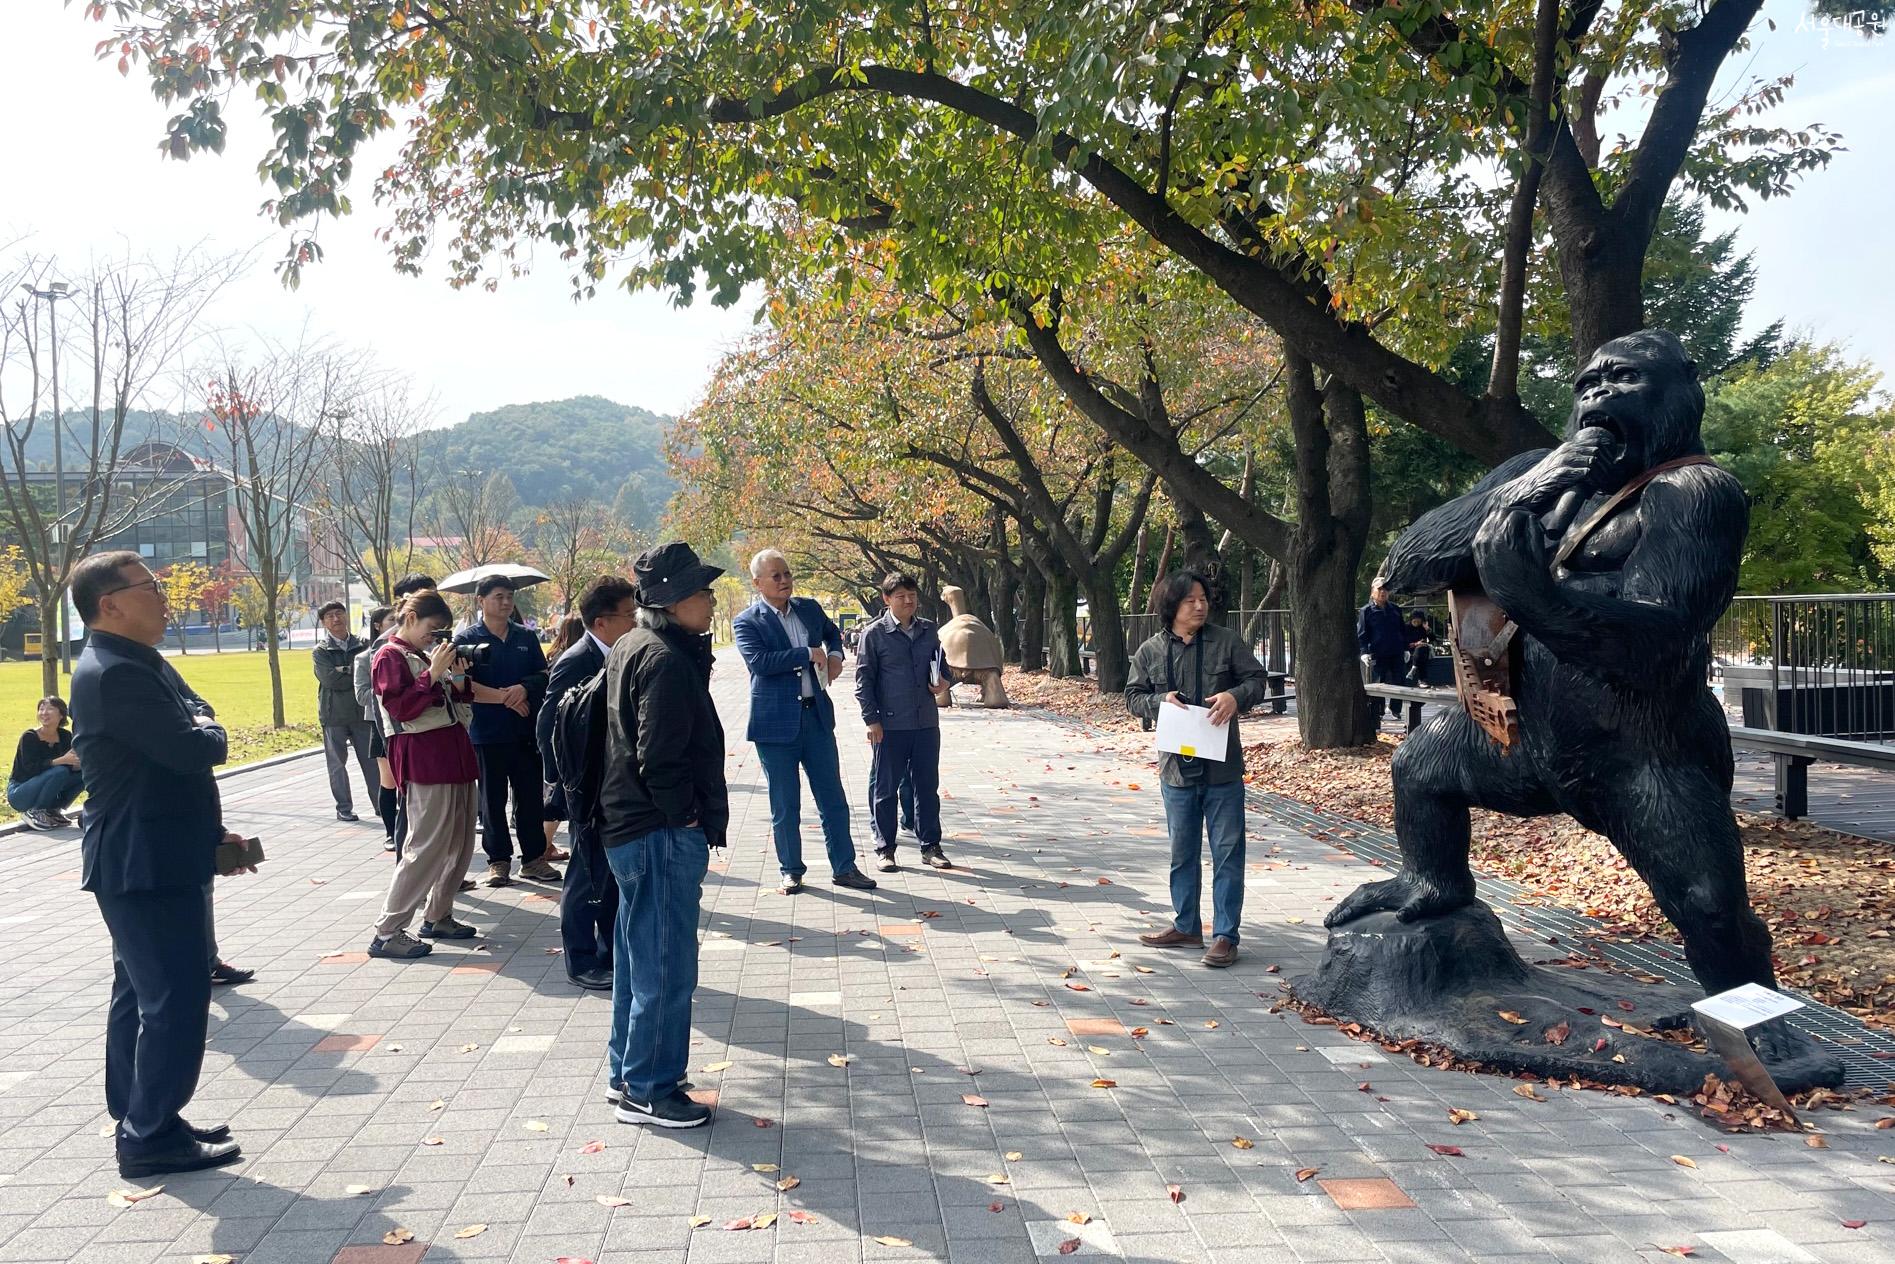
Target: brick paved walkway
1016	979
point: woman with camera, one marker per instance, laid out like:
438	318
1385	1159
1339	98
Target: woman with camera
422	690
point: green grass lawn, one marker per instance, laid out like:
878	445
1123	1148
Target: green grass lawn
238	685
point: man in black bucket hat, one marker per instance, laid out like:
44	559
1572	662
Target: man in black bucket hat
663	805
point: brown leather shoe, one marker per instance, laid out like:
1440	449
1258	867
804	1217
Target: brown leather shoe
1223	953
1171	937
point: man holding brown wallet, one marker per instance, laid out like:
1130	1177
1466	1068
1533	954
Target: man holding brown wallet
152	826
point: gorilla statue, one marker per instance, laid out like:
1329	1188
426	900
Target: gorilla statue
1613	555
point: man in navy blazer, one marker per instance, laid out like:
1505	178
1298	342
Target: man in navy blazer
589	902
152	825
785	642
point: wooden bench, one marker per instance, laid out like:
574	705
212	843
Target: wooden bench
1793	753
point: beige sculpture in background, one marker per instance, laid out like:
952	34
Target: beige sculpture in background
974	653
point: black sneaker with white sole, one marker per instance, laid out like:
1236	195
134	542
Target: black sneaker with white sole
673	1111
615	1091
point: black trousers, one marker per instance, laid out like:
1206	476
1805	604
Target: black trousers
908	754
511	766
588	903
1388	671
160	1010
907	794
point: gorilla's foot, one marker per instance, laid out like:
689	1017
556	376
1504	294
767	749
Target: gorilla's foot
1409	895
1457	981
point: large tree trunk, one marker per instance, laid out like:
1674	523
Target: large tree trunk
1138	569
1332	488
270	618
1032	618
1006	623
1161	571
48	649
1604	290
1199	546
1111	662
1002	585
1062	618
1331	708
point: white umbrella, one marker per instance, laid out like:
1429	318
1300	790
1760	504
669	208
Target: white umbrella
466	581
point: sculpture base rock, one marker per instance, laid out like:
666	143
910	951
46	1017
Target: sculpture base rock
1447	980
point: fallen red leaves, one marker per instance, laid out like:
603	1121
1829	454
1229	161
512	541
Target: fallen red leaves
1813	887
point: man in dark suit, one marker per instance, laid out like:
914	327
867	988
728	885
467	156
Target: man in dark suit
152	825
794	653
588	906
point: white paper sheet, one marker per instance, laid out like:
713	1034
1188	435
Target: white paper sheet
1746	1006
1188	731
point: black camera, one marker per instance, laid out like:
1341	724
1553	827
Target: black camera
473	655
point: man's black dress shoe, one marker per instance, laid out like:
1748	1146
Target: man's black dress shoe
855	879
225	973
212	1134
343	814
593	980
187	1154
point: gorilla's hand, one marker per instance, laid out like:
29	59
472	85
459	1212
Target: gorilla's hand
1586	459
1510	555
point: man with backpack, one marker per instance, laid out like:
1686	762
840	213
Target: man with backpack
575	696
663	805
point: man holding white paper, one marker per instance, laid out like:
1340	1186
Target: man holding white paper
1191	680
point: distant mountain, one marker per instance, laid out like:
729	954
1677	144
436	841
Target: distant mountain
586	446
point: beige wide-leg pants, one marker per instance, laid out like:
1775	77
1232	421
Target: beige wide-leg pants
434	858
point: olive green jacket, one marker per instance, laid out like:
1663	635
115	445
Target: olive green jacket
1227	664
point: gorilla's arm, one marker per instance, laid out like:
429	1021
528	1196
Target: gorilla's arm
1437	551
1679	578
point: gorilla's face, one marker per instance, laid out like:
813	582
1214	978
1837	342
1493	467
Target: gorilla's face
1643	390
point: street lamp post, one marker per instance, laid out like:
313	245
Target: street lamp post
51	296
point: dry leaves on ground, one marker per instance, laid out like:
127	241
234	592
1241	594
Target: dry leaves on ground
132	1197
1828	899
1076	697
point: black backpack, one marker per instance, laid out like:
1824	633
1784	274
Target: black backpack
579	723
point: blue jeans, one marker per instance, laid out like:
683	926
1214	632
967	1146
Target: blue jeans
654	958
907	757
52	790
814	752
1191	811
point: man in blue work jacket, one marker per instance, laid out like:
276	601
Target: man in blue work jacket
509	677
900	678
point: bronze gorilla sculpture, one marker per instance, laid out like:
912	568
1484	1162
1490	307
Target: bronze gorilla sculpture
1616	724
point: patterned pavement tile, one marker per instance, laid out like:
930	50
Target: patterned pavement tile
937	985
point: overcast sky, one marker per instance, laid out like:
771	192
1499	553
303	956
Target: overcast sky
80	174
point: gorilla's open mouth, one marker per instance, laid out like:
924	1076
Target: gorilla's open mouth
1603	420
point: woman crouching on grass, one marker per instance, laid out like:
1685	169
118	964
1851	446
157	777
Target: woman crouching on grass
45	778
422	690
